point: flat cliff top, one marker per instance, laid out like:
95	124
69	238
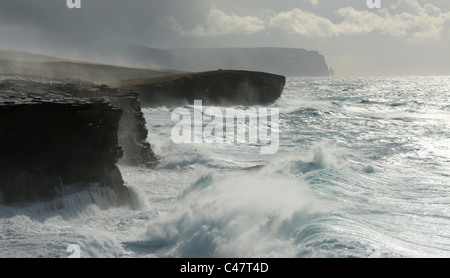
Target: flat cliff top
28	91
211	75
52	67
221	87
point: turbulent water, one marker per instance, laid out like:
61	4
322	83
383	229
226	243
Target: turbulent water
363	170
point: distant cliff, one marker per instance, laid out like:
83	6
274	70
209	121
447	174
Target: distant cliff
33	64
222	87
290	62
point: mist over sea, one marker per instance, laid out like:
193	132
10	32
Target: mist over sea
363	170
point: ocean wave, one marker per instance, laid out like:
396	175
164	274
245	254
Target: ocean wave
235	215
319	157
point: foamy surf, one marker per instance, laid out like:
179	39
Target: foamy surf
352	179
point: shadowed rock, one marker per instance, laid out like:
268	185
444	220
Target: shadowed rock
222	87
54	135
132	126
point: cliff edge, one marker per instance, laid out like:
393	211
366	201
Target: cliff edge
222	87
57	137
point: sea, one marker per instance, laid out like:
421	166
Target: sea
362	171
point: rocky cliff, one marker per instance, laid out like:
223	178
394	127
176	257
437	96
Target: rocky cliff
291	62
54	135
222	87
132	126
52	67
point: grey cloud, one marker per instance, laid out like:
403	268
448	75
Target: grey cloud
415	22
133	21
346	32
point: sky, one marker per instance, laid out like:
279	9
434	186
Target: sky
402	37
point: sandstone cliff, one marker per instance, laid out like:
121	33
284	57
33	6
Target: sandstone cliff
54	135
222	87
132	133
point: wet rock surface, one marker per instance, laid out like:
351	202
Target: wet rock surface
222	87
55	134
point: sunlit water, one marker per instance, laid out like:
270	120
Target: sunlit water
363	170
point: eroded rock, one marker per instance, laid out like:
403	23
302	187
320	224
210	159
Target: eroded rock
222	87
55	134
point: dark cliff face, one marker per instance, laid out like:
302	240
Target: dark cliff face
132	133
58	135
48	143
223	87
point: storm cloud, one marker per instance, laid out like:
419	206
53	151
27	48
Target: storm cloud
403	37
